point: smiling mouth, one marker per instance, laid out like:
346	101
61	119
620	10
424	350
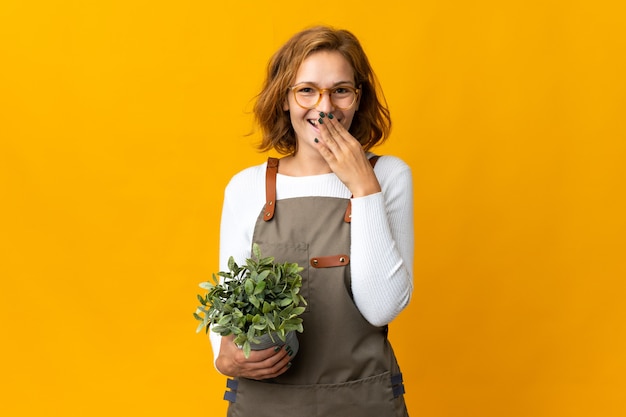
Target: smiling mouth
315	123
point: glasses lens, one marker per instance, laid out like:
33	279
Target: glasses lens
343	97
307	96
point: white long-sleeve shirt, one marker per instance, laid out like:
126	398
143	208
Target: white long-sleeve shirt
381	252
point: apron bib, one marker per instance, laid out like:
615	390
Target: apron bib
345	367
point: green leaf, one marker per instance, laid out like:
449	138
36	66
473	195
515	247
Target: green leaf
260	287
263	275
298	310
200	327
267	307
246	349
284	302
271	325
250	332
292	327
256	250
240	339
224	331
249	286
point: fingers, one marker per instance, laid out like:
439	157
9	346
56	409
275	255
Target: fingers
274	366
335	128
268	363
336	143
261	364
334	134
346	157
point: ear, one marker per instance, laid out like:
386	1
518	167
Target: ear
358	100
286	104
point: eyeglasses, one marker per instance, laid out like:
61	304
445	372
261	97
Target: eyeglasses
308	96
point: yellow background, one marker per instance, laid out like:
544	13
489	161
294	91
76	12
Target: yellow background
121	122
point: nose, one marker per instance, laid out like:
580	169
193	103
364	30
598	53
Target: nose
325	105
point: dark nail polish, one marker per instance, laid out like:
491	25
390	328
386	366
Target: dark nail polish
276	348
322	114
289	365
330	115
320	121
316	140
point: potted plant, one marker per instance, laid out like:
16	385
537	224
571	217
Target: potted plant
256	301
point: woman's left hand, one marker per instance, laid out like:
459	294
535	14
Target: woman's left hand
346	157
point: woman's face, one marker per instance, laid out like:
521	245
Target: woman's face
323	70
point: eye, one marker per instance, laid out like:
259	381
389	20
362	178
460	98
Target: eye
342	90
306	90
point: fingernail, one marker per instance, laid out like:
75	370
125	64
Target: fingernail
276	348
320	121
289	365
330	115
316	140
322	114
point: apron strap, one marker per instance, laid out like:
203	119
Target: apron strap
231	393
270	188
397	385
348	216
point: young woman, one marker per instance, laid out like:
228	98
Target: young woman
338	210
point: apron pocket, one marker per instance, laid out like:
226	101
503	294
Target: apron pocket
368	397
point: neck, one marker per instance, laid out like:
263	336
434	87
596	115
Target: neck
301	165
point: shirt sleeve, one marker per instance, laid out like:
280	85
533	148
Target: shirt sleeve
382	244
244	197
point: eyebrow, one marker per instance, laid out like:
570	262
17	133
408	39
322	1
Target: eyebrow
350	83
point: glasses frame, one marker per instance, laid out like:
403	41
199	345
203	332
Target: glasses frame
321	91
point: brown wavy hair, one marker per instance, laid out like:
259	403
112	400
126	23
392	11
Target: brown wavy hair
371	124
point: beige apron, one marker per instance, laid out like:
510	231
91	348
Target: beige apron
345	366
